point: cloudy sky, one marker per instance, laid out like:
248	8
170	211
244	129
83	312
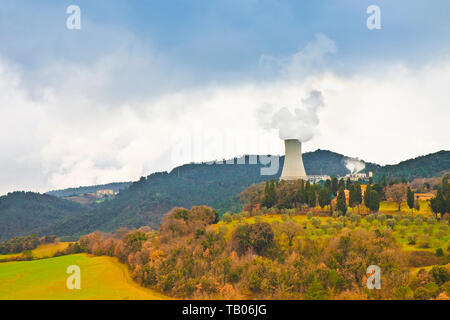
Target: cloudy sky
143	87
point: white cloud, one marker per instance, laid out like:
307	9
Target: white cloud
73	136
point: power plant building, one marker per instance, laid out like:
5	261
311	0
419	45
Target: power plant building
293	168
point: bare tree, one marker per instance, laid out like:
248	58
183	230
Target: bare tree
396	193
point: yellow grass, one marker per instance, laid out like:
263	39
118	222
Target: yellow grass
42	251
101	278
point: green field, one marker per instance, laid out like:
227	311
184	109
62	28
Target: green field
101	278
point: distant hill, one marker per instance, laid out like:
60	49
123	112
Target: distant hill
431	165
146	201
70	192
24	212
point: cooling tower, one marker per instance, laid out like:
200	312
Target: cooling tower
293	168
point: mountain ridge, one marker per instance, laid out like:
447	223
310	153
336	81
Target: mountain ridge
146	201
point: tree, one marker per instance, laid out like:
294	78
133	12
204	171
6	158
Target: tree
348	183
383	181
302	196
315	291
341	183
261	237
358	194
352	197
438	204
269	198
396	193
341	205
367	196
324	197
312	197
410	198
334	185
374	201
258	236
290	228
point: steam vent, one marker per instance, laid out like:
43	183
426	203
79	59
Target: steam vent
293	168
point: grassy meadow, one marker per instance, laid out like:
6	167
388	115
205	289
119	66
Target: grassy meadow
101	278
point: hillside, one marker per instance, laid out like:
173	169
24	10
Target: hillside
102	278
146	201
24	212
431	165
70	192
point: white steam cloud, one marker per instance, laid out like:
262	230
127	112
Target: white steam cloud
301	125
354	165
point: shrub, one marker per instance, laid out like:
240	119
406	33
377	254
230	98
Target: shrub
419	219
412	238
316	222
439	252
226	217
405	222
422	258
370	217
446	288
440	275
431	220
381	217
390	223
403	293
424	241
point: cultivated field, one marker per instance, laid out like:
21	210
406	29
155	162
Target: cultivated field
101	278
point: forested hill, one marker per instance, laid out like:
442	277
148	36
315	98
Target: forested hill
116	186
218	185
431	165
23	212
146	201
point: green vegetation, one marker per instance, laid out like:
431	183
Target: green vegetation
431	165
282	256
146	201
101	278
24	213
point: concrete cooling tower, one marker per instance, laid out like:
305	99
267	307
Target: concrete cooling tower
293	168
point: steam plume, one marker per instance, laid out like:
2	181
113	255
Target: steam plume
354	165
301	125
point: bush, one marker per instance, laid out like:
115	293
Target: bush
316	222
419	219
431	220
429	291
381	217
370	217
226	217
424	241
440	275
412	238
390	223
439	252
403	293
258	236
405	222
446	288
